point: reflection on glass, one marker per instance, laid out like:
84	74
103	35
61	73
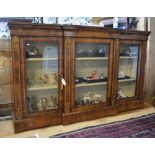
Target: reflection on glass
127	70
42	75
91	73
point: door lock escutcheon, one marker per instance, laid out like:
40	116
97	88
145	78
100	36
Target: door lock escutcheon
63	82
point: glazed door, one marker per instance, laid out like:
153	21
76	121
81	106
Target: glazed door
92	73
128	80
41	70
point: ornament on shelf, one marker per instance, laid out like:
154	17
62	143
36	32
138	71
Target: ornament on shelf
102	76
89	98
121	74
44	103
32	51
101	52
92	52
129	51
97	98
56	77
53	101
115	22
120	94
126	52
95	75
47	103
132	23
33	103
43	80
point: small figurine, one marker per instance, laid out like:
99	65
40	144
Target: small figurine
35	51
102	76
32	51
56	77
101	52
46	79
76	80
29	104
40	80
97	98
39	106
127	52
82	53
44	102
36	80
120	94
121	74
115	22
34	101
132	23
88	98
53	102
95	75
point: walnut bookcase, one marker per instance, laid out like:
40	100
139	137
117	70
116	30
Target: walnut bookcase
64	74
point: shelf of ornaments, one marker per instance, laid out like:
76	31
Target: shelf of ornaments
84	84
105	58
43	87
40	59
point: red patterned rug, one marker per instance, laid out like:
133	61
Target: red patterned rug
141	127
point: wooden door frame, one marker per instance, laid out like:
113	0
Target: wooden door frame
118	42
23	74
72	64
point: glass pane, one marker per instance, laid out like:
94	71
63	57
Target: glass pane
127	75
91	73
42	75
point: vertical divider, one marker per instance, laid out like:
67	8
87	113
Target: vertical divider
110	72
142	70
67	67
115	71
17	78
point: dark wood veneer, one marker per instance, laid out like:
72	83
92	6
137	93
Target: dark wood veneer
67	36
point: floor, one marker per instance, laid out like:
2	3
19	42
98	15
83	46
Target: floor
6	127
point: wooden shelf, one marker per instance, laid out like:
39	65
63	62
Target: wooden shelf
93	58
42	88
90	84
40	59
106	58
128	57
102	83
127	80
